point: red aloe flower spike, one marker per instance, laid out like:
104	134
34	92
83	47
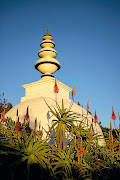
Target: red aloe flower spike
27	115
81	152
41	132
95	118
24	124
17	127
35	124
3	117
113	114
17	113
39	126
28	128
56	89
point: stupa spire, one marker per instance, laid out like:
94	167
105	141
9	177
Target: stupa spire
47	31
47	64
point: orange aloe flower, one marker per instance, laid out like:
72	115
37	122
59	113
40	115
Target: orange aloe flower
87	107
73	93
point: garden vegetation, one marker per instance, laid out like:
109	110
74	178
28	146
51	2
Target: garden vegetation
69	151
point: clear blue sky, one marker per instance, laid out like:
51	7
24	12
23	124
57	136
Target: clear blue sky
87	38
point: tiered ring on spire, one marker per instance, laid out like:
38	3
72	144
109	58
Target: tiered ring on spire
47	64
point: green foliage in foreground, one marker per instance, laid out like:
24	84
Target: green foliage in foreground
68	152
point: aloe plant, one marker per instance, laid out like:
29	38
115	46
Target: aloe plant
70	151
62	124
28	152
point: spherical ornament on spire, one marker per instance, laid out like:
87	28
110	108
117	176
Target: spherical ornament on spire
47	64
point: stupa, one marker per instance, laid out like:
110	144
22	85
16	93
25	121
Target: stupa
36	92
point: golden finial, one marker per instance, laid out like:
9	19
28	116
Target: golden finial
47	31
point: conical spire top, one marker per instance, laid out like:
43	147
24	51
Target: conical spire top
47	31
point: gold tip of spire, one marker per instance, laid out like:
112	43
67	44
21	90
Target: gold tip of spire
47	31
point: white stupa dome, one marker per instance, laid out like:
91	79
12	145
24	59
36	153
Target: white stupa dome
36	92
